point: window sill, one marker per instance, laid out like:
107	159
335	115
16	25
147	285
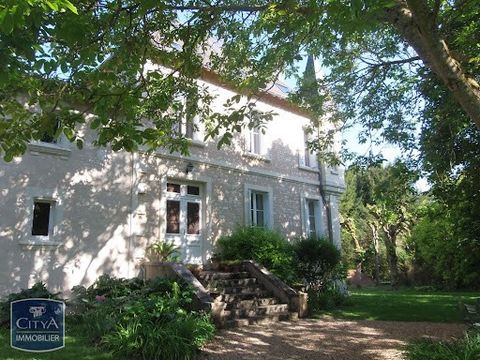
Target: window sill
309	169
197	143
38	242
38	148
256	157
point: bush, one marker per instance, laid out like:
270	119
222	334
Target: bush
467	348
38	290
326	299
265	246
147	319
316	261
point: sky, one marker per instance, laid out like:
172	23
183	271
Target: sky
350	136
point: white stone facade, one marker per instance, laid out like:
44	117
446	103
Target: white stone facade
106	207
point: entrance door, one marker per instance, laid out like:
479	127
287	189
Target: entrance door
184	206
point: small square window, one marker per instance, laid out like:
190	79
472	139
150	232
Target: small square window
175	188
193	190
42	218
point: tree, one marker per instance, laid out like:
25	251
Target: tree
384	200
56	58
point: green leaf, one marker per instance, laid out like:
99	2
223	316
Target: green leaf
52	5
68	133
7	24
8	157
79	143
70	6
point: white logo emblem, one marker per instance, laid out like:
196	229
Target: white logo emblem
37	311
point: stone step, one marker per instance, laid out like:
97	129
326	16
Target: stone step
232	282
236	290
215	275
251	303
230	298
258	320
256	311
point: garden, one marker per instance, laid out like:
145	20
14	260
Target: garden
119	318
155	319
315	265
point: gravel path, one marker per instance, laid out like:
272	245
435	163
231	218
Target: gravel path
324	339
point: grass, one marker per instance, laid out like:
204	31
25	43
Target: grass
75	348
466	348
404	305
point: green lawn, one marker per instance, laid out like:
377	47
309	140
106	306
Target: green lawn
76	348
404	305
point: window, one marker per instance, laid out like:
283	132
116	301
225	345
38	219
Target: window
311	218
257	209
173	217
175	188
255	141
258	206
308	158
193	218
312	224
188	124
49	134
42	221
48	144
42	216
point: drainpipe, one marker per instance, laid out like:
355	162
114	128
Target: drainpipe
130	217
326	202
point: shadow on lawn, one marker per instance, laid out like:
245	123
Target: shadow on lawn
324	339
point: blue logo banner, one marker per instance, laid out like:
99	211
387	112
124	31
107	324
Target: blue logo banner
37	325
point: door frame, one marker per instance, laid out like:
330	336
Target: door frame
206	238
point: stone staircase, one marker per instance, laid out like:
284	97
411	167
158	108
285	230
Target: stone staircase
243	298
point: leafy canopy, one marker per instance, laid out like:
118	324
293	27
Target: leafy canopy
94	57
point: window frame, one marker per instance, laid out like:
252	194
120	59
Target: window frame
32	196
307	159
190	128
267	194
253	133
305	199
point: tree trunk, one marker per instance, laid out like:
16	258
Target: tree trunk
392	259
377	259
417	24
358	248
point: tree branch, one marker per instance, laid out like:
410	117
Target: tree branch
397	62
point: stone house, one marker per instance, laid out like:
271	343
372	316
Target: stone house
68	215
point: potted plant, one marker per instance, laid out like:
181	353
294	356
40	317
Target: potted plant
161	251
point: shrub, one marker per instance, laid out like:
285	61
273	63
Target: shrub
265	246
316	261
38	290
467	348
147	319
326	299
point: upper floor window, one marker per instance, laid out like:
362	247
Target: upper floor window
188	124
307	157
48	135
49	143
255	141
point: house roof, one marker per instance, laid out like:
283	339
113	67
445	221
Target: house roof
276	95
